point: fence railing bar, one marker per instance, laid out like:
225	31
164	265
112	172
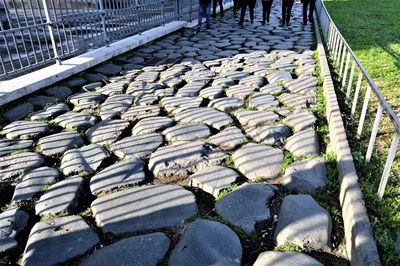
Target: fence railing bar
374	132
350	84
363	112
356	94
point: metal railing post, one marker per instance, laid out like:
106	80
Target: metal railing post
162	13
51	27
375	128
357	92
190	10
363	112
103	21
350	85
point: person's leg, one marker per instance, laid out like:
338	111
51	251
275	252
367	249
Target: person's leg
243	12
208	13
235	6
305	6
269	5
214	6
289	12
284	7
312	6
252	4
264	11
221	7
201	14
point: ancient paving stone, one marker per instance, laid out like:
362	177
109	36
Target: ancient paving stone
167	92
273	135
152	125
207	242
239	91
115	105
61	197
95	77
14	165
8	146
59	92
75	121
114	88
212	93
228	139
33	182
92	86
127	172
145	99
249	118
257	161
136	146
132	250
252	81
75	82
277	258
139	87
305	85
300	120
90	108
272	89
50	112
172	103
226	104
223	82
297	101
137	113
303	143
186	132
13	223
213	179
107	131
140	209
307	176
236	75
59	143
25	129
302	221
85	159
190	90
246	206
18	112
58	240
263	101
149	76
108	69
279	76
85	97
42	100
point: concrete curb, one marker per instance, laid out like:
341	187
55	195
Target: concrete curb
360	244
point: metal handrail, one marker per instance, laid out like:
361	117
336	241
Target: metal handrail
342	54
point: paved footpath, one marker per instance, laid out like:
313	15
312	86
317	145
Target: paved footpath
115	164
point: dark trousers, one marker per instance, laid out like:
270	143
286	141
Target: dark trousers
286	11
266	9
305	7
221	8
236	6
251	4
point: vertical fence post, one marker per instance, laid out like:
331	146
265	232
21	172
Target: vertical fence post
350	85
356	93
162	13
51	27
374	133
363	112
103	21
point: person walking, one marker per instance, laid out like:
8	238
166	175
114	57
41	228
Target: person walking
236	6
307	3
204	11
286	11
244	4
221	8
266	4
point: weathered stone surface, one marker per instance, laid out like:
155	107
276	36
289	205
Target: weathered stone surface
127	172
145	99
152	125
239	91
8	146
112	89
263	101
252	81
224	82
172	103
59	92
59	143
149	76
138	250
246	206
302	221
213	179
145	208
273	135
249	118
304	85
33	182
276	258
42	100
226	104
85	97
61	197
136	146
228	139
18	112
212	93
58	240
186	132
25	129
272	89
75	121
190	90
50	112
115	105
109	69
14	165
85	159
307	176
75	82
137	113
90	108
12	223
297	101
301	120
257	161
207	243
303	143
205	115
107	131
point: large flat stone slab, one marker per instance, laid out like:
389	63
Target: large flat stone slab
136	146
181	103
137	113
50	112
301	120
213	179
127	172
206	115
145	208
263	101
8	146
246	206
13	222
107	131
14	165
249	118
207	243
276	258
85	159
152	125
186	132
303	143
228	139
61	197
138	250
33	182
58	240
85	97
239	91
59	143
302	221
25	129
18	112
212	93
115	105
226	104
75	121
257	161
273	135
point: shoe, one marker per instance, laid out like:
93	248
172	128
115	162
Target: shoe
198	29
208	28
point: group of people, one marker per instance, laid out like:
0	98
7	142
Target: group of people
205	10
